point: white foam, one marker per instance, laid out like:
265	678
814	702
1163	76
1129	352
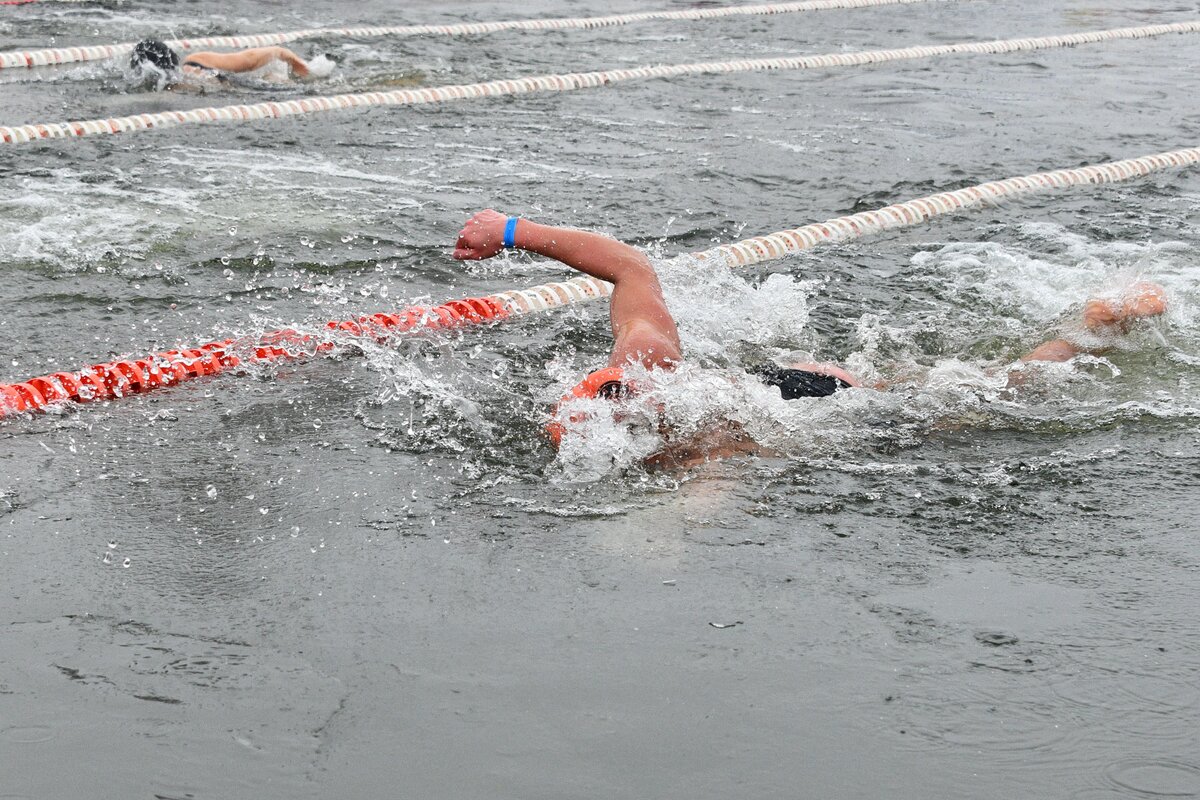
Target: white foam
73	224
321	67
716	307
1063	270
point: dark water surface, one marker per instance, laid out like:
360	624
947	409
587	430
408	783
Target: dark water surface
369	576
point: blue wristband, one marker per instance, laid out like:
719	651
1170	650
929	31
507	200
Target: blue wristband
510	232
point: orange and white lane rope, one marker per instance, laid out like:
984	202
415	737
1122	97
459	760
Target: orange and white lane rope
68	55
136	375
558	83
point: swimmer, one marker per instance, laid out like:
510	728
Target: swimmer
644	331
160	55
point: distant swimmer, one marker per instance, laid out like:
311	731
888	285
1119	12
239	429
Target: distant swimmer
152	54
645	334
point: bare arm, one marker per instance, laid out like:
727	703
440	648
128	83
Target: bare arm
1141	300
250	60
1104	317
643	328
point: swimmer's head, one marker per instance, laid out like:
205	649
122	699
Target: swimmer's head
154	53
603	384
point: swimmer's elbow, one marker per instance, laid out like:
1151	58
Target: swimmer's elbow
632	264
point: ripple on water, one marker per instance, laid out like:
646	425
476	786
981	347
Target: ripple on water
998	723
1145	705
1154	777
26	734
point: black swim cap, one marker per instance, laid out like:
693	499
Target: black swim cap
152	51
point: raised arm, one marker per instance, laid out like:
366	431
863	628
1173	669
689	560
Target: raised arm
643	328
249	60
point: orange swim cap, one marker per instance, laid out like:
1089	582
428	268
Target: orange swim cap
608	383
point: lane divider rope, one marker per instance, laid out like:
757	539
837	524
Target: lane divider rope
44	2
914	212
68	55
132	376
781	244
558	83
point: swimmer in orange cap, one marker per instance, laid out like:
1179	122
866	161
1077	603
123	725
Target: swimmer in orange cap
644	331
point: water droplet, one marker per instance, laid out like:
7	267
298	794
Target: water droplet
225	260
125	563
210	490
233	230
107	558
112	544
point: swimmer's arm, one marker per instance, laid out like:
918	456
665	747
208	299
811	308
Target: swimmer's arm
1106	317
250	60
642	326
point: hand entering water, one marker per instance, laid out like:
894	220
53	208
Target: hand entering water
1104	316
1143	299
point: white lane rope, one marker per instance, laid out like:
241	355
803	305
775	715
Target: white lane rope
68	55
557	83
840	229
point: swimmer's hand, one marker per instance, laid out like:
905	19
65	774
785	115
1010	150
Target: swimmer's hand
1141	300
481	237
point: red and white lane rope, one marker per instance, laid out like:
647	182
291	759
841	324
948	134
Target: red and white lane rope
131	376
68	55
44	2
557	83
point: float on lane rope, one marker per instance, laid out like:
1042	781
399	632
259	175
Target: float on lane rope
131	376
69	55
558	83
